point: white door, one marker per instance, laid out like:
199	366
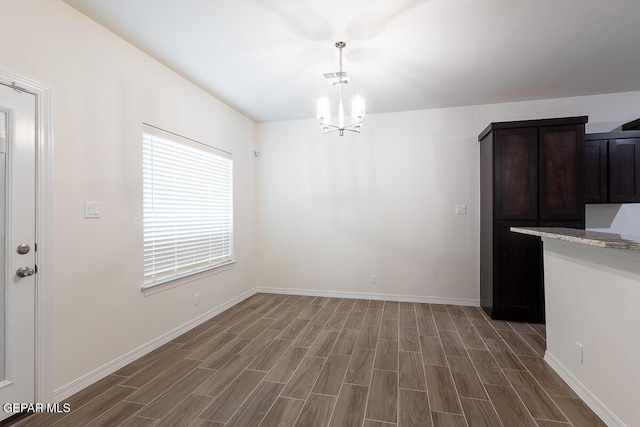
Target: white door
17	246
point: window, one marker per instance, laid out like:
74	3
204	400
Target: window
188	207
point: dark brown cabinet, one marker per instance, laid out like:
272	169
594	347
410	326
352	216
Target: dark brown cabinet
531	174
612	167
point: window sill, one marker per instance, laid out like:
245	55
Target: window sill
173	283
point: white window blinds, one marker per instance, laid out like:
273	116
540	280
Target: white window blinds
188	207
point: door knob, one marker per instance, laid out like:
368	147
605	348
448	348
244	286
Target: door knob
25	272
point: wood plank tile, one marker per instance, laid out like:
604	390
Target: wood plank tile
500	324
442	393
376	304
258	328
503	355
441	419
192	333
522	328
387	355
374	423
516	343
536	342
244	324
204	337
480	413
355	319
185	412
233	396
473	311
294	329
283	321
277	311
535	399
117	414
346	342
470	338
389	329
407	305
308	335
161	406
254	409
346	305
373	317
368	336
325	315
258	344
408	319
157	354
465	378
140	422
330	379
383	396
411	371
452	344
225	354
540	330
547	377
310	312
95	408
487	368
432	351
324	343
210	347
547	423
391	310
361	305
316	412
283	413
484	328
336	321
350	406
171	376
303	379
427	326
439	308
232	316
286	365
509	407
360	367
409	340
423	309
413	409
94	390
270	355
216	384
443	321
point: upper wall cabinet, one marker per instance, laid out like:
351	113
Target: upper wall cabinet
612	167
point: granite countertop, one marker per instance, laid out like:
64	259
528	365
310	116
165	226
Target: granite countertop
585	237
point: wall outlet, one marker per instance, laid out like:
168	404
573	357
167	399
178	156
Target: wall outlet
197	298
579	352
374	279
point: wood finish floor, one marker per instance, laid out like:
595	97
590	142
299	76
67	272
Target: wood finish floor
278	360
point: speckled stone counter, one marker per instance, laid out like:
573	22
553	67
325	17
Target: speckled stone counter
585	237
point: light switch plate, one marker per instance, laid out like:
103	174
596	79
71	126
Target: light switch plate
92	210
461	209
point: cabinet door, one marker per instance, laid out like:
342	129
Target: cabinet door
624	173
596	171
561	180
518	288
516	173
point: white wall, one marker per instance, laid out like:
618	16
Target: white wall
592	298
614	218
332	211
103	89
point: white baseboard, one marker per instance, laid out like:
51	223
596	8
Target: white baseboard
366	295
589	398
111	367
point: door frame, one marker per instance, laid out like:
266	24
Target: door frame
44	154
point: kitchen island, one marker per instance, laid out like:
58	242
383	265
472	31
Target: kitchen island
592	294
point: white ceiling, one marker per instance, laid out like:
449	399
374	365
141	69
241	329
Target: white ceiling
266	58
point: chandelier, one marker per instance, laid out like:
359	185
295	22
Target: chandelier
357	106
